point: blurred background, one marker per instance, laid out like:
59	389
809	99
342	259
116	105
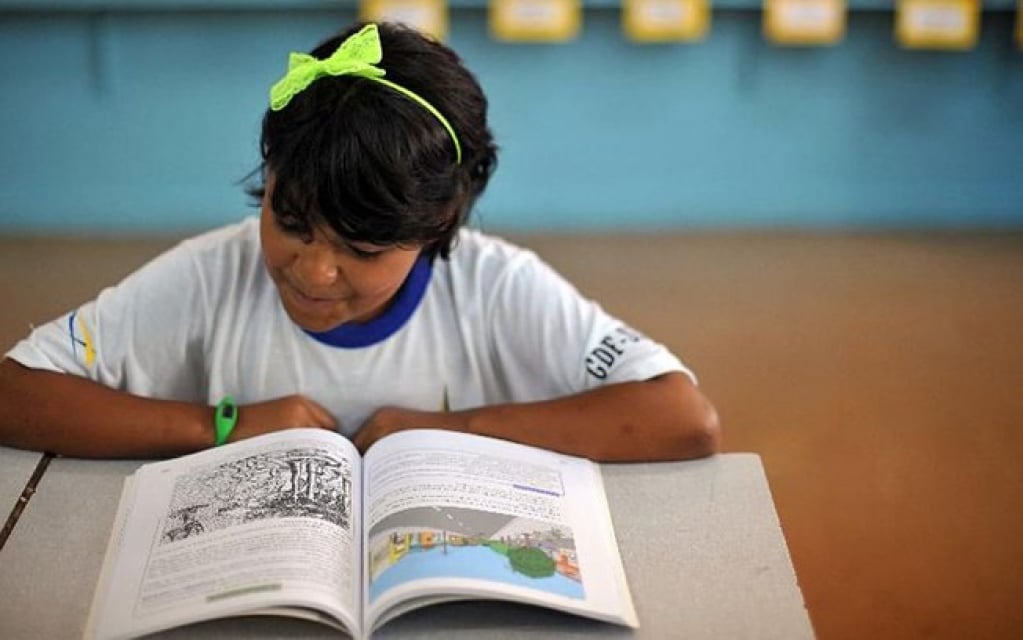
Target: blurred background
825	219
143	115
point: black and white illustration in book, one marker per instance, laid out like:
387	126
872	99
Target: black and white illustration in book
301	482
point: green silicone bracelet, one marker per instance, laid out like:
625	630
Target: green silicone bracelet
225	419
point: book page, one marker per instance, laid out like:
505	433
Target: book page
268	522
453	516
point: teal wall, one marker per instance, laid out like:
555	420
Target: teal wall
143	116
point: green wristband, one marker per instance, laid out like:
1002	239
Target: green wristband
224	419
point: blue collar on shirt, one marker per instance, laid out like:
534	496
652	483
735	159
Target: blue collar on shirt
353	335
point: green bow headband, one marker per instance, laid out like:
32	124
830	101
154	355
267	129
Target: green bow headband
355	57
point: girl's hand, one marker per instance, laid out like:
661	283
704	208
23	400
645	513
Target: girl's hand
388	420
288	412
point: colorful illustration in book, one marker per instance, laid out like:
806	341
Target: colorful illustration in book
453	542
297	483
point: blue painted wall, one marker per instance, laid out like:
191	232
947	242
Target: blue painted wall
125	120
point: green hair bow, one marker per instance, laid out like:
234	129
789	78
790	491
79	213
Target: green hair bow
356	56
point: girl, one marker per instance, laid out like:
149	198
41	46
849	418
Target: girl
356	301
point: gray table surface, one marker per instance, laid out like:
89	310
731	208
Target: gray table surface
701	543
16	467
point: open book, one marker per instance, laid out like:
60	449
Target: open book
297	523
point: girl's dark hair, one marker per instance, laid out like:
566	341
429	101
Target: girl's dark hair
374	165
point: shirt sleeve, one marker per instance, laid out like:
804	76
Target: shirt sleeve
143	335
550	340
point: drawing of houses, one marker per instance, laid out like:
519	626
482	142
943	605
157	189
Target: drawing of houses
424	529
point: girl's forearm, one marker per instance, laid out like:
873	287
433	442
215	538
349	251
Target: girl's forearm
69	415
667	418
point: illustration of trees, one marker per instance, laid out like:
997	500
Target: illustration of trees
313	485
298	482
531	562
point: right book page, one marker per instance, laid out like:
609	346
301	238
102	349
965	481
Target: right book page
454	516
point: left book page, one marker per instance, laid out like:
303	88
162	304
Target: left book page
263	525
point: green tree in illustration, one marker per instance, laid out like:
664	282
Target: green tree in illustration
531	562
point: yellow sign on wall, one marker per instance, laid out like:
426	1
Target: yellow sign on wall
804	22
428	16
666	20
1019	24
937	24
535	20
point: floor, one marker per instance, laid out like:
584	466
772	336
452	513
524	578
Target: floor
879	375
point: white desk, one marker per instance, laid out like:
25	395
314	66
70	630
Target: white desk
701	544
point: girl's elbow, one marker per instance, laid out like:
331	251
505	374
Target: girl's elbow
706	433
699	434
695	430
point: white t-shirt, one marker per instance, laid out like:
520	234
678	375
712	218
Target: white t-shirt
494	324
